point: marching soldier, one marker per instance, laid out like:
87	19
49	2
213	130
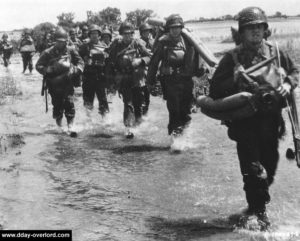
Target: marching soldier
106	36
130	57
177	61
94	81
74	40
61	67
84	34
6	49
27	50
146	36
256	136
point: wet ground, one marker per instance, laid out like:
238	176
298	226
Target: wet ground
105	187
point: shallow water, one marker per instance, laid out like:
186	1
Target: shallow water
105	187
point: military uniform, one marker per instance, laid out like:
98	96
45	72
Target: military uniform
27	55
94	81
130	79
74	41
64	65
149	42
6	49
256	136
178	65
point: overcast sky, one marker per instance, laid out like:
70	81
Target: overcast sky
17	14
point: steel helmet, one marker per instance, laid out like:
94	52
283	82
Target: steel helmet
27	31
72	31
93	28
107	32
250	16
174	20
85	28
5	35
126	27
61	35
144	27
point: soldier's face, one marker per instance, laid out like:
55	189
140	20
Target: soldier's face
94	36
106	38
72	36
61	44
127	37
146	34
254	33
175	31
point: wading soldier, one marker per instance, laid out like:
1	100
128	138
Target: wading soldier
256	136
6	49
146	36
84	34
94	81
27	50
61	66
106	36
130	57
74	40
177	66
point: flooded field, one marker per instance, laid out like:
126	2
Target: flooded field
105	187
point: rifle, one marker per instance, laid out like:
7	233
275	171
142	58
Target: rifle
294	119
44	92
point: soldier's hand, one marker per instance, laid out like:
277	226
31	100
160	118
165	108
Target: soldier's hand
136	62
284	89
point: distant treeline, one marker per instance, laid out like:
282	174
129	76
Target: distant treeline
228	17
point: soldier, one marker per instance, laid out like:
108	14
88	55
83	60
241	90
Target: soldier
256	136
61	65
74	41
84	34
94	82
27	50
177	61
130	58
106	36
6	48
146	36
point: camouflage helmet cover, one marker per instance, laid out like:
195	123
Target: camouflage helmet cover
93	28
126	27
250	16
144	27
174	20
61	35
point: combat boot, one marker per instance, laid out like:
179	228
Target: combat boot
129	134
263	220
71	131
59	122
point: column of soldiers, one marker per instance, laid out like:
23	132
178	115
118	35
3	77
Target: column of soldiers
137	67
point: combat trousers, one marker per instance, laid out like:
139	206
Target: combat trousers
27	61
63	102
146	99
179	96
6	58
95	84
257	148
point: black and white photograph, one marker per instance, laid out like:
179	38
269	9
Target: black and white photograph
174	120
